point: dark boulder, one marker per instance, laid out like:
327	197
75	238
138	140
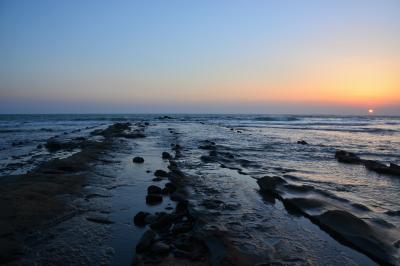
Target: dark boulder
163	222
138	160
270	183
151	218
169	188
153	199
140	218
302	142
154	190
166	155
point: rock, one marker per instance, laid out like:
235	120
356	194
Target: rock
178	195
39	146
381	168
165	117
138	160
182	227
347	157
176	147
169	188
161	173
166	155
140	218
157	179
154	190
397	244
189	247
145	241
160	248
163	222
182	207
359	234
151	218
54	144
302	142
269	183
153	199
99	220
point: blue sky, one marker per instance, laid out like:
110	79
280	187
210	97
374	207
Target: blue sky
199	56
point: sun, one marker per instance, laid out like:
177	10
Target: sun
370	111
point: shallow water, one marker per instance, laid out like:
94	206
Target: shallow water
260	145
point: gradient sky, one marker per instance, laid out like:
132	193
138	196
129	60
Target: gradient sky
310	56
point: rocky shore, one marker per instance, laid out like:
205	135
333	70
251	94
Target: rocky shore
36	200
194	205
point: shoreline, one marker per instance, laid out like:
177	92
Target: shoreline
214	242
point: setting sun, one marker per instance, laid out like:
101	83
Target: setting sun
371	111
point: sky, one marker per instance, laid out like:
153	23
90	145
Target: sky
270	56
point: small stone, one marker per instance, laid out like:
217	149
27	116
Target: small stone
138	160
157	179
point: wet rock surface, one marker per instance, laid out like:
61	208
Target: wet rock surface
209	213
381	168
